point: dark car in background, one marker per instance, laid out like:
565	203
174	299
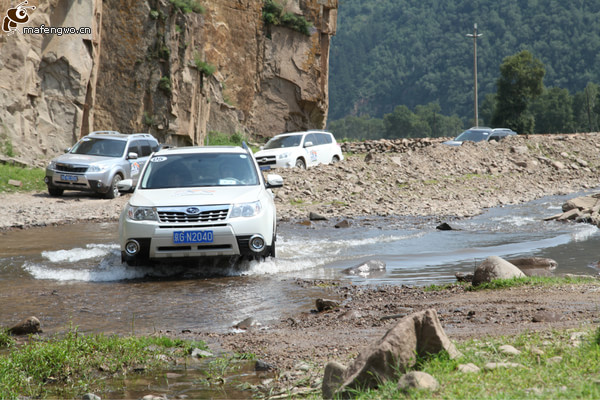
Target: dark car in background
480	134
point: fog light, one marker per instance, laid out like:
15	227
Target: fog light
46	180
132	247
257	243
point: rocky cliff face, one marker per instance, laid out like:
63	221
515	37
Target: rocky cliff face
148	66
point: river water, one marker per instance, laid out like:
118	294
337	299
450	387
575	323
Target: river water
72	275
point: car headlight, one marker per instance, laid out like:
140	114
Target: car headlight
97	168
52	165
142	213
245	209
284	155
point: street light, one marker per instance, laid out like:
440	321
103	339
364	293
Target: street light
475	35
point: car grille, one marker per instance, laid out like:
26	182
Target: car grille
266	160
71	168
182	215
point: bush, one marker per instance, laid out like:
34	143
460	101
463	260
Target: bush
272	14
188	6
165	84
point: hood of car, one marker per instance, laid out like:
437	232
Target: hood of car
86	159
452	143
197	196
275	152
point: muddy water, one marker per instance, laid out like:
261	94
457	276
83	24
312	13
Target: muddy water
72	275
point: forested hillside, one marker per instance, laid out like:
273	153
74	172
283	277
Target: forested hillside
388	53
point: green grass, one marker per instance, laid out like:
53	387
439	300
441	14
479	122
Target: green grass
516	282
222	139
533	281
32	179
575	375
72	365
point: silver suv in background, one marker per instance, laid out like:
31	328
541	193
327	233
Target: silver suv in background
481	134
98	161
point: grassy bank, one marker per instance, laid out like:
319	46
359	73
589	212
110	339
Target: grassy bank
74	364
556	365
31	179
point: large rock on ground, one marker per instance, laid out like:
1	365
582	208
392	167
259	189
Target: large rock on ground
27	326
417	335
495	267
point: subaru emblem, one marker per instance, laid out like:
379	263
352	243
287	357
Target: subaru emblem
193	210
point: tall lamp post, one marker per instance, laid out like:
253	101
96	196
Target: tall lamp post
475	35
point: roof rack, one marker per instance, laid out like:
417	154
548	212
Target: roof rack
105	133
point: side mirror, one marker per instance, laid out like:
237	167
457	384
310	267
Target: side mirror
125	185
308	144
132	156
68	149
274	181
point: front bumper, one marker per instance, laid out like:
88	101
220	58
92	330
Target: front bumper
88	182
156	239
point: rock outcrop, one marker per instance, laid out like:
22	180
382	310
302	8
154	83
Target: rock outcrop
149	66
417	335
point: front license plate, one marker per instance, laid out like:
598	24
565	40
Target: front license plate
71	178
193	237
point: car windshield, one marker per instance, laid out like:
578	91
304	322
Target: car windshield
284	141
99	147
472	136
199	169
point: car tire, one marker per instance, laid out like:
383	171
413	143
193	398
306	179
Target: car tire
272	250
53	191
113	191
335	159
300	163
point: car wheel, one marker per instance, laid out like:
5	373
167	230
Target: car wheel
300	163
272	250
335	159
113	191
55	191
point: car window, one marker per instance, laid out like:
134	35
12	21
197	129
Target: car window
134	147
472	135
146	148
199	169
310	138
99	147
322	138
284	141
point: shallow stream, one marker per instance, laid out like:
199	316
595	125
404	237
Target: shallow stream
72	275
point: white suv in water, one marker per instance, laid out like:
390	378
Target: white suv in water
193	202
300	149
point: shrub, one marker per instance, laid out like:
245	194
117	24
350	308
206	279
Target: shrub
272	14
203	66
165	84
188	6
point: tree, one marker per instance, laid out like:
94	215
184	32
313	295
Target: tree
403	123
358	128
520	82
553	111
584	105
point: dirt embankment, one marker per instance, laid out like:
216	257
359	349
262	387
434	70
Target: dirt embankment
431	180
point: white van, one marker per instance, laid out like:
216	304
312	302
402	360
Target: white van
300	149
